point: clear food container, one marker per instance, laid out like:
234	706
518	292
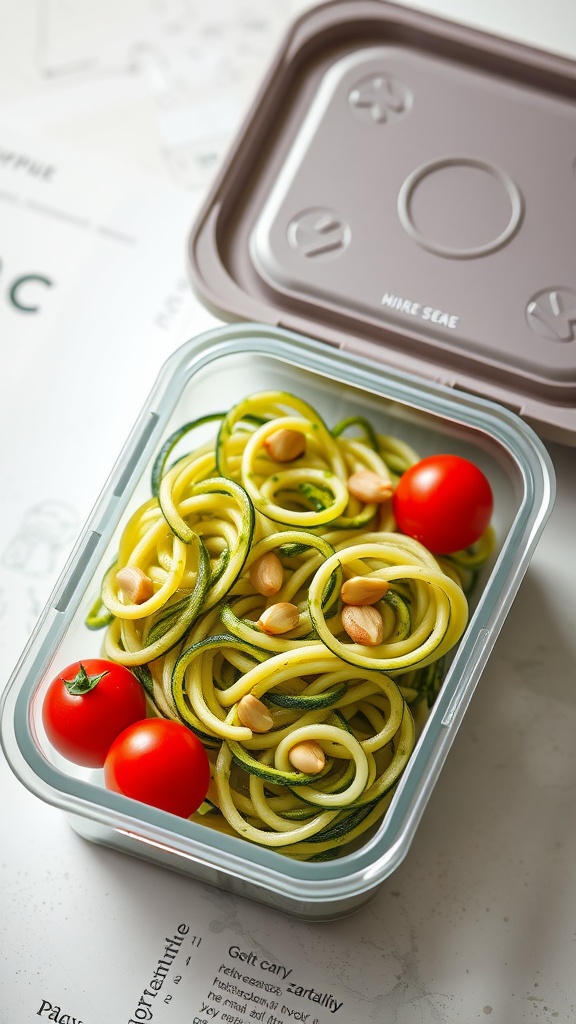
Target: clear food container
205	376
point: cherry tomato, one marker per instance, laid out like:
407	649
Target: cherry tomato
87	705
444	501
159	762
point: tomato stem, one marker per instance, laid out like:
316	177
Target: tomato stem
82	682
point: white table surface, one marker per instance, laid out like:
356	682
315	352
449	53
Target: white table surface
479	922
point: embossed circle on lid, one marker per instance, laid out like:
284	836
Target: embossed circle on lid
459	207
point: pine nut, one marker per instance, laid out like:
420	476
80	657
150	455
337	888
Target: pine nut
284	445
307	757
254	714
361	590
267	574
369	487
134	584
279	618
363	624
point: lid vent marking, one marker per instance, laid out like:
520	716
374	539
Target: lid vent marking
379	99
319	233
551	313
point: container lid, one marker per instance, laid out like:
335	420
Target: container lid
405	188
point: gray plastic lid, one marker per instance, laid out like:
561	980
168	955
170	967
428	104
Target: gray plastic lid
405	188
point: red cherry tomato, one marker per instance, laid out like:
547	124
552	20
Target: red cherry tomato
87	705
445	502
159	762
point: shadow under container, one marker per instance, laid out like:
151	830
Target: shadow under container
209	375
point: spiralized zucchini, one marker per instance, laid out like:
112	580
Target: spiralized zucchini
201	641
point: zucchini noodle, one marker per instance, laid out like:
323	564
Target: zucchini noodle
200	638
